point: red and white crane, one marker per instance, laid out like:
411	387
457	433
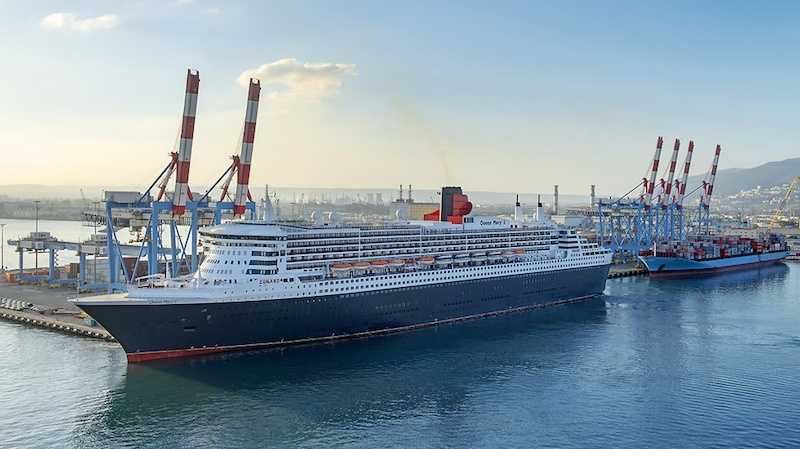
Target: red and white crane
708	185
649	184
182	193
666	185
680	185
246	155
241	163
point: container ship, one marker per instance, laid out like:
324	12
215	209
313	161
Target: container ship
709	255
265	284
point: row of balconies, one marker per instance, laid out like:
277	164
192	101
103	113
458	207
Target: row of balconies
402	252
322	247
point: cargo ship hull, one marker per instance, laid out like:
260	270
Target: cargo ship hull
166	330
665	267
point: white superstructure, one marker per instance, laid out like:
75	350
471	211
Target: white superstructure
247	260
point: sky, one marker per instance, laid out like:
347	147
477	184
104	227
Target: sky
493	96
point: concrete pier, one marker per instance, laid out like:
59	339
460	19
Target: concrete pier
55	323
626	270
53	310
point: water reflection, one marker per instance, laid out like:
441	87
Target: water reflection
694	363
351	383
750	279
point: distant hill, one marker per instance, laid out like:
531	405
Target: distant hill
732	180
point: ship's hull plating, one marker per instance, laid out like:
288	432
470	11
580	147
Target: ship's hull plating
666	267
156	331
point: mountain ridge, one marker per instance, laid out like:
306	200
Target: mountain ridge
733	180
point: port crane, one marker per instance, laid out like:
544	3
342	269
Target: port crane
630	225
779	216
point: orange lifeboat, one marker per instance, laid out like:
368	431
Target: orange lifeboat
379	263
427	260
397	263
361	265
519	251
341	269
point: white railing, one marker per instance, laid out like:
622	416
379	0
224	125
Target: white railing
157	280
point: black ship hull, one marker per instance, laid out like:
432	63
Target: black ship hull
156	331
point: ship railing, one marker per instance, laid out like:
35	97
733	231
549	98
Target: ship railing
157	280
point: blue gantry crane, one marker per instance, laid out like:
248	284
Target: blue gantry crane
631	225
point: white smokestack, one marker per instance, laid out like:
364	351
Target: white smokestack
541	218
517	211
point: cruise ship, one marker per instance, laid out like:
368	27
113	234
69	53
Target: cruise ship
265	284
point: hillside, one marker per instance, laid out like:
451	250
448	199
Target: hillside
732	180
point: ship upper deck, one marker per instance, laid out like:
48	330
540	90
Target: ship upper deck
263	230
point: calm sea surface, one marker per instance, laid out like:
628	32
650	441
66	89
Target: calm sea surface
653	364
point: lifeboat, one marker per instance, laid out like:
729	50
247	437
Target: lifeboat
519	251
410	265
427	260
341	269
361	265
397	263
379	264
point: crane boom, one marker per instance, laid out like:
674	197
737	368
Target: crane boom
246	156
680	186
666	188
181	195
776	218
708	186
649	184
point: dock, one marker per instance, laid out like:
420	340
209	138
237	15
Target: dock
626	270
47	308
40	320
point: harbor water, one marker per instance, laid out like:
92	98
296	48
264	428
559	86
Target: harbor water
64	230
696	363
73	231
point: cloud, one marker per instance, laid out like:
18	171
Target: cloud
308	80
70	21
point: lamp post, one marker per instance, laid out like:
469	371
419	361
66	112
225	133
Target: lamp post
36	251
2	247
